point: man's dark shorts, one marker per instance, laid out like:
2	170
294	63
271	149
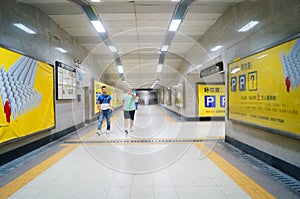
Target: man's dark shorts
129	114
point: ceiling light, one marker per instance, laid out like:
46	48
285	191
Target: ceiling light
98	26
174	25
61	50
248	26
95	1
164	47
112	48
159	68
24	28
120	69
216	48
235	70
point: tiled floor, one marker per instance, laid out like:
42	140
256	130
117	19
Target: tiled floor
132	170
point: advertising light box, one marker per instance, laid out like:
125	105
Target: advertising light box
211	100
27	95
264	89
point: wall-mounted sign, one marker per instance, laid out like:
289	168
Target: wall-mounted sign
65	81
218	67
264	88
211	100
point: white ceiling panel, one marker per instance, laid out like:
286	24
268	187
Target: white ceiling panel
68	20
117	17
80	31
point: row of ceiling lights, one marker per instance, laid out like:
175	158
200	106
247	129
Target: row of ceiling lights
164	48
178	15
173	27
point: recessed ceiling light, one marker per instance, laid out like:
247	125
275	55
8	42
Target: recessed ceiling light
164	47
174	25
112	48
248	26
120	69
98	26
24	28
216	48
159	68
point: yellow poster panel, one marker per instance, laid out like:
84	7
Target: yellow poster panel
116	94
117	97
264	88
211	100
27	101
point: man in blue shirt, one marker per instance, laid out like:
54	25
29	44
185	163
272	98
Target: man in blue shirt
105	107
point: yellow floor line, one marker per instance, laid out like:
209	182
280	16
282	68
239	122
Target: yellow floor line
165	115
253	189
12	187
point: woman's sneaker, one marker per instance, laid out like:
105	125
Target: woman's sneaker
98	132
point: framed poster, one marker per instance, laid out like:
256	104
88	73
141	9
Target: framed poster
161	96
264	89
27	96
168	97
179	95
65	81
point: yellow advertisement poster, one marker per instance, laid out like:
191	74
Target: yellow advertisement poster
211	100
117	97
264	88
27	100
116	94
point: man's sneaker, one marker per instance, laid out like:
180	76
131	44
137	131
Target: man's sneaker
98	132
126	131
131	130
108	132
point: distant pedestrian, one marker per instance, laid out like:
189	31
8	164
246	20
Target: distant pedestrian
128	106
104	103
136	102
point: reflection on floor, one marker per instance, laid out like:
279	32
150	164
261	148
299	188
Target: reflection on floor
161	158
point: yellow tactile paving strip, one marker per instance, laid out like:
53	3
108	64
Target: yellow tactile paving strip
165	115
253	189
248	185
9	189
